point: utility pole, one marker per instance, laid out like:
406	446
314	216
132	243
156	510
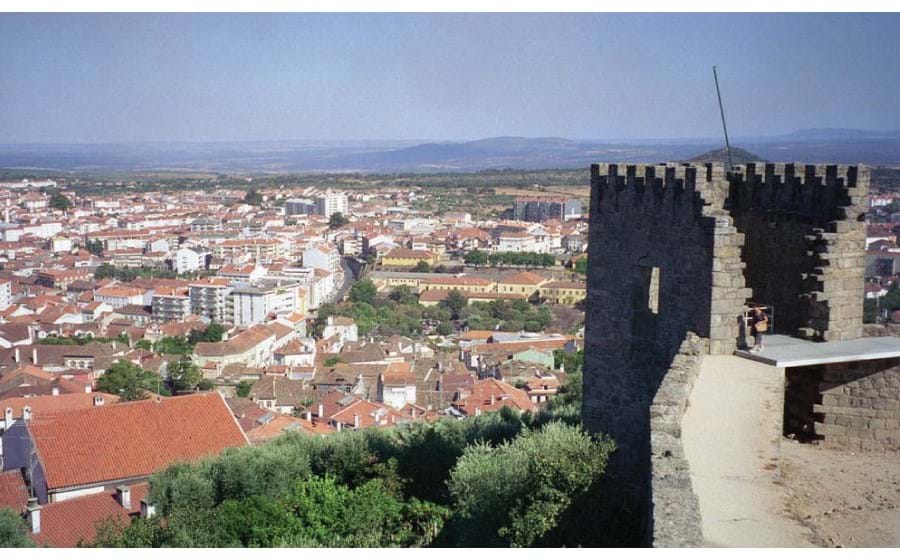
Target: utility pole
722	113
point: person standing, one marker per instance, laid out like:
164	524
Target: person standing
759	323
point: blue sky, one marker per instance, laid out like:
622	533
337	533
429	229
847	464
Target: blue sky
212	77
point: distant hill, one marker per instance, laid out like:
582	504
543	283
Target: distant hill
739	156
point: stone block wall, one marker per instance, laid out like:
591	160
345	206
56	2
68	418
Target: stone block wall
674	519
805	243
859	405
652	226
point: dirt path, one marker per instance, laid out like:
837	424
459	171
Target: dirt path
731	434
846	499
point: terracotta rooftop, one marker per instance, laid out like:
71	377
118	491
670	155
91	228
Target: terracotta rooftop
131	440
68	523
13	491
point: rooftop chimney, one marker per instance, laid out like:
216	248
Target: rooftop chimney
356	420
308	416
18	356
147	509
88	389
55	391
34	516
98	401
321	412
7	418
34	356
26	413
123	496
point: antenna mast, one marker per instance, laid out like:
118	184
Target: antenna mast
724	127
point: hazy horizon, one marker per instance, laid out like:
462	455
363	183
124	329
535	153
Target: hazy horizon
138	78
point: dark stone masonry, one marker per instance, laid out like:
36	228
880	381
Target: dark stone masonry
676	249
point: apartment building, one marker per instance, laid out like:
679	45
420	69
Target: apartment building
172	304
330	203
254	302
211	298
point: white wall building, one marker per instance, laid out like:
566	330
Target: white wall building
254	302
331	202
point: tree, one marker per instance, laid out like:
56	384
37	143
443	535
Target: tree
337	220
95	247
13	531
174	345
185	376
422	266
128	381
363	291
332	361
60	201
403	294
515	494
476	257
253	197
212	333
444	328
243	389
455	302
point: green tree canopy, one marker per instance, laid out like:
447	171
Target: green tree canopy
184	375
60	201
243	389
337	220
421	266
13	531
253	197
363	291
128	381
455	302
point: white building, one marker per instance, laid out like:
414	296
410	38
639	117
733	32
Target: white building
5	294
322	256
343	326
186	260
299	207
253	303
331	202
120	296
211	298
170	305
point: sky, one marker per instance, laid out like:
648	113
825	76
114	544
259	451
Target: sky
89	78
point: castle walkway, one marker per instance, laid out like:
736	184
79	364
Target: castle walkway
731	434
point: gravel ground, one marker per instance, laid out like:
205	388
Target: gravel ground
846	499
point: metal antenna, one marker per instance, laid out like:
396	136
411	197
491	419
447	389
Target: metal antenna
724	127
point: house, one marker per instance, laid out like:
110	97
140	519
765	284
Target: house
119	296
345	327
186	260
280	394
72	523
252	347
92	450
399	385
490	395
300	352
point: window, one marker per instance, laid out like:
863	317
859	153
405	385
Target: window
653	292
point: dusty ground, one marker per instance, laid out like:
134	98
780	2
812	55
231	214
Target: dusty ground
846	499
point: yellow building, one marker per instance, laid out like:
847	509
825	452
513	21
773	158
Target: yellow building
408	258
525	283
565	293
461	283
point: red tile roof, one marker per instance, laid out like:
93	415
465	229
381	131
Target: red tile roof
489	395
131	440
50	404
13	492
68	523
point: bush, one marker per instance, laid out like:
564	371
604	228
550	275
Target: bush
514	494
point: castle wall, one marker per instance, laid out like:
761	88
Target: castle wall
662	262
852	405
804	244
674	519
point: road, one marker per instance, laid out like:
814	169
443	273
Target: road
348	279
